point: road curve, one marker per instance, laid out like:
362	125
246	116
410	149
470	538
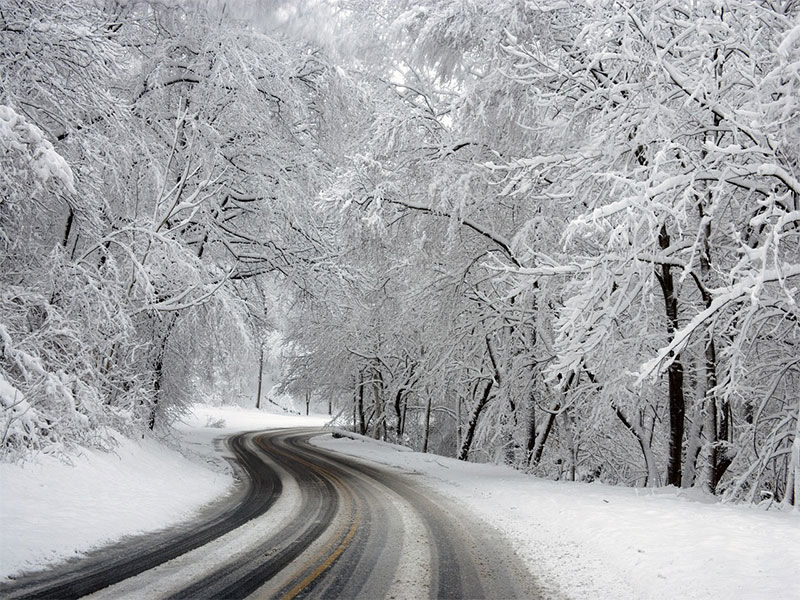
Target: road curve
311	524
76	578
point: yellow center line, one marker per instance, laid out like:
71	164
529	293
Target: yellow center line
324	566
349	498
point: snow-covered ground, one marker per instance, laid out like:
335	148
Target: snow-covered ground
50	511
597	541
588	540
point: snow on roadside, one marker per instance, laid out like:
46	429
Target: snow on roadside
599	541
235	418
51	511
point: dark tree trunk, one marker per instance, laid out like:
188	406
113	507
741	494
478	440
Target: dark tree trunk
677	407
355	402
159	370
458	424
260	377
405	411
398	414
473	420
677	411
481	404
511	444
535	452
362	425
530	440
572	446
541	438
427	423
68	228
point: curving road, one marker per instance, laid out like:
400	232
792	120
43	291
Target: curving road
309	524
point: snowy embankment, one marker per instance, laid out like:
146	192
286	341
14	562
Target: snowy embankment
597	541
51	511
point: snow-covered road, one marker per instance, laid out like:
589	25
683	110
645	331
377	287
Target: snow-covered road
308	523
586	540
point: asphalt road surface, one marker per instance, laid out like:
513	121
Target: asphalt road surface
305	523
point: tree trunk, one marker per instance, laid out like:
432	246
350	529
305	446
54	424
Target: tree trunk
674	371
405	412
721	457
652	479
719	419
694	442
260	377
463	454
158	370
398	415
68	227
379	432
362	425
571	445
544	433
530	437
458	423
401	402
511	444
427	423
535	453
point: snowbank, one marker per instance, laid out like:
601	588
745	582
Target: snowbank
50	510
597	541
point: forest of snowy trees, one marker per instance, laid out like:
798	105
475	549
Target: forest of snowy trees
560	235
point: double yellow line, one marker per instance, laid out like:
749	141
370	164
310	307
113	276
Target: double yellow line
327	555
341	547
